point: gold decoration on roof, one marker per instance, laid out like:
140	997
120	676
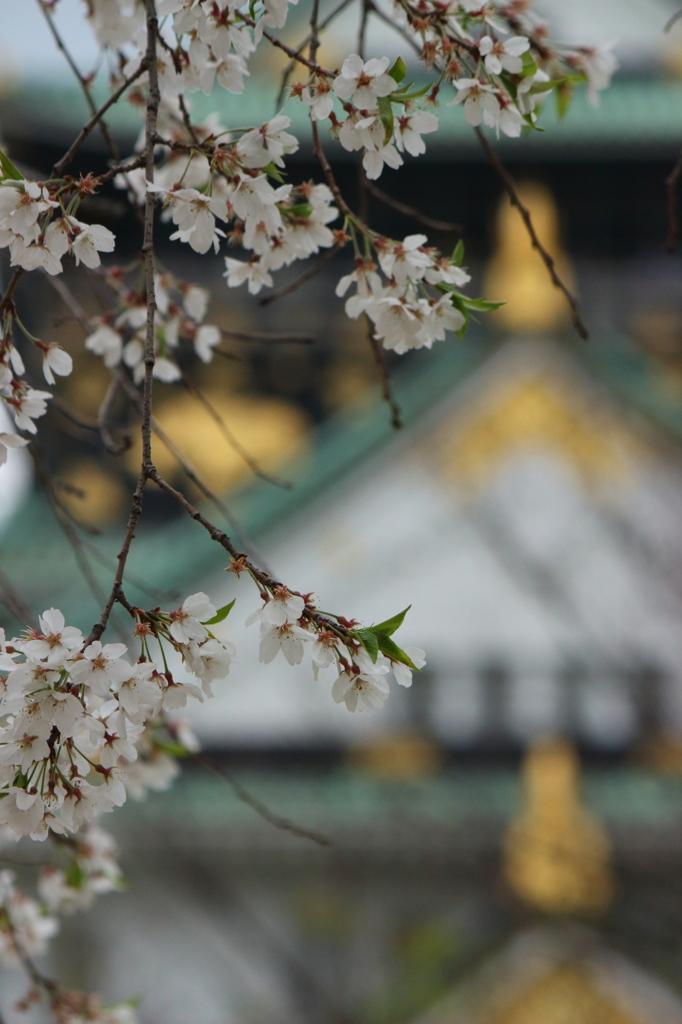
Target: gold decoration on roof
399	757
270	430
566	996
516	272
538	413
556	852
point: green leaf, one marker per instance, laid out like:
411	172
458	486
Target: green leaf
274	172
302	210
390	625
482	305
458	254
386	113
398	71
563	96
74	875
529	67
401	96
369	642
391	650
172	748
8	168
539	87
221	614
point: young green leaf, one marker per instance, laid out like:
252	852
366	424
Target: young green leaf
398	71
458	254
482	305
390	625
221	614
8	169
563	96
172	748
302	210
369	642
386	114
74	875
529	67
391	650
274	172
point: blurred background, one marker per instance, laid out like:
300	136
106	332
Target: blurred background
506	835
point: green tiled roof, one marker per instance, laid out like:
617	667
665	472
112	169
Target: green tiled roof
344	805
646	113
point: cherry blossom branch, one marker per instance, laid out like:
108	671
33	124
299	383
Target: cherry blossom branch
412	211
14	602
113	446
153	101
524	212
257	574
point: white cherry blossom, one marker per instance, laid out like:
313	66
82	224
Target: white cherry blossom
503	54
362	82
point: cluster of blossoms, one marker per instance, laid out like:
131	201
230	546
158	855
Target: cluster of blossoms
73	715
180	311
39	231
420	299
362	658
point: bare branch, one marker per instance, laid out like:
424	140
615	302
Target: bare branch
113	446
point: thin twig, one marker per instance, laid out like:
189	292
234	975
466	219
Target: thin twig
283	824
307	275
547	259
386	389
412	211
236	445
290	52
62	164
267	338
671	190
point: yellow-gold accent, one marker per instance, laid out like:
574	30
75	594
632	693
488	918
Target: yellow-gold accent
536	413
270	430
516	272
556	853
